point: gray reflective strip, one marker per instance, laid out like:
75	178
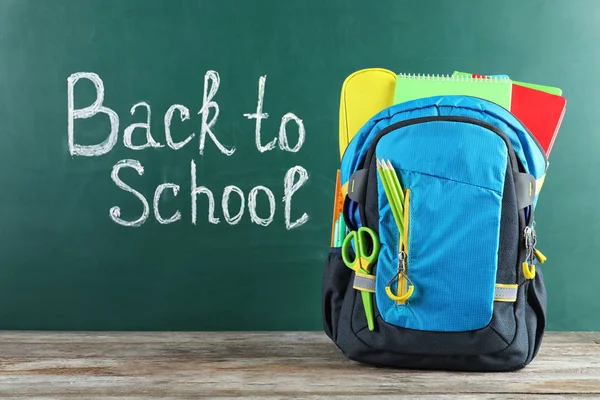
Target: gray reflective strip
506	293
367	282
364	282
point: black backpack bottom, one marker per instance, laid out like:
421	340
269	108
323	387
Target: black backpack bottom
510	341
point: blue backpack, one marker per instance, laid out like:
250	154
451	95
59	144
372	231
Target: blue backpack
457	286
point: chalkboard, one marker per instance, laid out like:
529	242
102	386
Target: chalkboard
169	165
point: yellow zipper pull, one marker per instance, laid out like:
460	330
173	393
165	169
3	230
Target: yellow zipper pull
528	266
528	270
538	254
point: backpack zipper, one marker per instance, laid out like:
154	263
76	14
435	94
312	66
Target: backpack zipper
368	157
531	252
404	291
448	118
512	157
525	128
433	118
402	279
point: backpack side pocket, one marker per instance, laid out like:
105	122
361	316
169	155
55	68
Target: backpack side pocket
336	276
536	313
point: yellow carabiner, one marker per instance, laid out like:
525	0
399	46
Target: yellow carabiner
403	297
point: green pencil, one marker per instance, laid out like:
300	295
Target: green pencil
396	182
392	198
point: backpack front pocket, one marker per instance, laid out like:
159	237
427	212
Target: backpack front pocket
455	175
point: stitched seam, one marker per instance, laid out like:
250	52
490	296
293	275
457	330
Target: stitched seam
452	180
499	335
486	111
356	333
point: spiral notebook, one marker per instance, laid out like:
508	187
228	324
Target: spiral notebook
544	88
411	87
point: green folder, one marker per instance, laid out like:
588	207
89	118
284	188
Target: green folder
547	89
411	87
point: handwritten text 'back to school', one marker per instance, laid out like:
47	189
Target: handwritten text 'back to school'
294	178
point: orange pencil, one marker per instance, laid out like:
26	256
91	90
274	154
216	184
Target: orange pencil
338	205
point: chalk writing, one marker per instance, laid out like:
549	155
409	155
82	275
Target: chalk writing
225	204
197	190
185	115
159	189
115	212
283	140
88	112
293	180
211	78
252	205
259	115
291	187
127	135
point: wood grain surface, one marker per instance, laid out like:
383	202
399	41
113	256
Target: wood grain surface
266	365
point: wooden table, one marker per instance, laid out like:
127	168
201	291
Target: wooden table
61	365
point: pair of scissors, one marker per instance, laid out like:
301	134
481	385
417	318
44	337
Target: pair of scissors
364	238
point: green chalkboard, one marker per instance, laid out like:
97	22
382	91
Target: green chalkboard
194	69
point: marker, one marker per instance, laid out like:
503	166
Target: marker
342	229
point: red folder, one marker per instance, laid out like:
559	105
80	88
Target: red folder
540	112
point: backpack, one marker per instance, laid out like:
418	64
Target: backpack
458	286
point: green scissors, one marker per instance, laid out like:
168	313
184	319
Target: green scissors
362	262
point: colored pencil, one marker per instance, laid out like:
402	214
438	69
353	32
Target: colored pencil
393	199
